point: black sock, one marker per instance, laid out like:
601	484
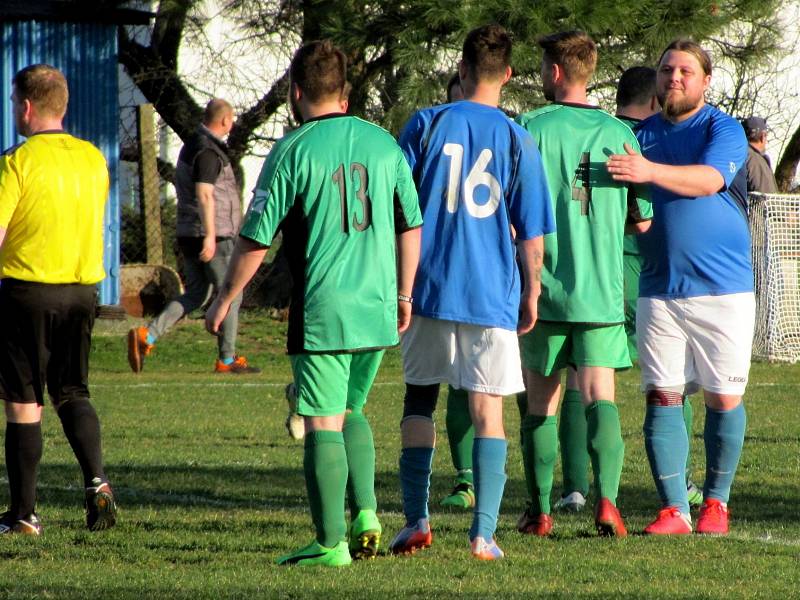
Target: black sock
82	428
23	453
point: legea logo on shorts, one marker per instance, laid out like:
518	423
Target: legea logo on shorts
738	379
732	167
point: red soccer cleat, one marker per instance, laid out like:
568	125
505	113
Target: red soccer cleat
670	521
713	518
607	519
533	524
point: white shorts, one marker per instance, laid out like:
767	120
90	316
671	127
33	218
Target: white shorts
691	343
468	357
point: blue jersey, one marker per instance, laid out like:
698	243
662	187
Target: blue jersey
697	246
478	175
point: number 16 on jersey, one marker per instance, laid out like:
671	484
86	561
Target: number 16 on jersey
477	176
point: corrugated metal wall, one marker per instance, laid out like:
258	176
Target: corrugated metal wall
87	55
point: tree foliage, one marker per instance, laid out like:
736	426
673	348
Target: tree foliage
402	52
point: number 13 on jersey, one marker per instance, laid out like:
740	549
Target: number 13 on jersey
477	176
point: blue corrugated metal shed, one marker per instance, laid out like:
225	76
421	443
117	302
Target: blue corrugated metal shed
86	52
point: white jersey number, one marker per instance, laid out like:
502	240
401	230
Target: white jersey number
477	176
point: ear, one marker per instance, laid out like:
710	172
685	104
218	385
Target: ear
295	92
654	104
343	104
706	82
27	109
507	75
556	72
462	70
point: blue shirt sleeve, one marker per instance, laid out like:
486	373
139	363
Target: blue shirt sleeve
529	205
411	139
726	148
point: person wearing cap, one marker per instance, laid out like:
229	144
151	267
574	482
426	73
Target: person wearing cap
759	172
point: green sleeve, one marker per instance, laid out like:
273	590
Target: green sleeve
639	191
273	198
406	203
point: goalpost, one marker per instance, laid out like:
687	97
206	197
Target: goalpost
775	232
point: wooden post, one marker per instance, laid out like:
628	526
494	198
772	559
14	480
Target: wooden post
148	184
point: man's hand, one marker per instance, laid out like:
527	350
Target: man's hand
631	166
403	316
215	315
209	249
529	312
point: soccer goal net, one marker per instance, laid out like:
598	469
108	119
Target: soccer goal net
775	232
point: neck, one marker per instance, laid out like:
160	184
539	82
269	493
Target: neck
573	94
312	111
483	93
759	147
632	111
44	124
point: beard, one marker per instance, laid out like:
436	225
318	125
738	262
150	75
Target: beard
295	112
548	89
677	103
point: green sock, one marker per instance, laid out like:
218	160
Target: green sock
460	432
522	405
572	436
688	417
360	449
606	447
540	447
325	465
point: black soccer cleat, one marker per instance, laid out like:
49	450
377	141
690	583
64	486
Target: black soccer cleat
101	510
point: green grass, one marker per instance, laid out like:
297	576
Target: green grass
211	492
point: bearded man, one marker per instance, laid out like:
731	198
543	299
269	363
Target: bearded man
696	308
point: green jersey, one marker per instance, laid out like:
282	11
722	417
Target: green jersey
339	188
582	274
630	245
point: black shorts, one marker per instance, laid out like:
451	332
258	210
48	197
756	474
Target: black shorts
45	338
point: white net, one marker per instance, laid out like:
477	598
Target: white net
775	231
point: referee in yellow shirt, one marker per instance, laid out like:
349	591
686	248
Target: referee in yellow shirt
53	190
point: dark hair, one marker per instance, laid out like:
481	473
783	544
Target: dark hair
487	52
45	87
637	86
320	69
574	51
693	48
215	110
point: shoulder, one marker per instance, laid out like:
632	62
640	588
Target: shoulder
539	114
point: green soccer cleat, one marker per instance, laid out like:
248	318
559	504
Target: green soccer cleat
462	496
365	535
315	554
694	493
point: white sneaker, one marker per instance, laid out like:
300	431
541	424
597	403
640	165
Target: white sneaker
573	502
295	424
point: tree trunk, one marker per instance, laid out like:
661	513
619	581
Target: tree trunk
787	166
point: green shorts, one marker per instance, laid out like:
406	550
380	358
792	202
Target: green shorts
553	346
330	384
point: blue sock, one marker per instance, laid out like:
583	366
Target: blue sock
226	361
415	481
489	466
667	445
724	436
150	339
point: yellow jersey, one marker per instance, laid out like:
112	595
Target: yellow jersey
53	191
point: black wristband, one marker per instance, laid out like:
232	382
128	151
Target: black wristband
404	298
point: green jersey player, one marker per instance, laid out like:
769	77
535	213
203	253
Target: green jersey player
342	193
581	312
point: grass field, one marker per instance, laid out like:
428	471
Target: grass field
211	492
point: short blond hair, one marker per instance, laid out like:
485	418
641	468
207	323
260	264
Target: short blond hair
574	51
45	87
